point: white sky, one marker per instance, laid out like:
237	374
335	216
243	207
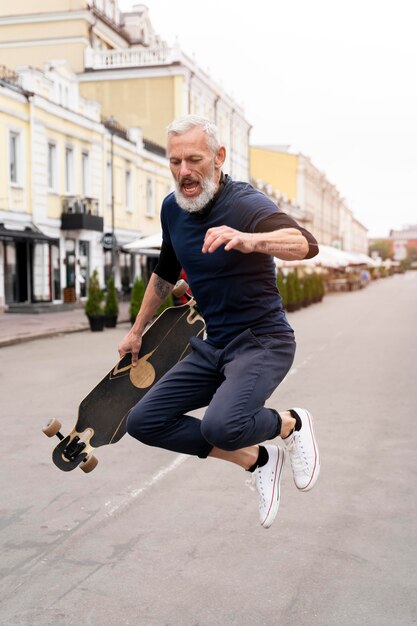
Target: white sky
334	79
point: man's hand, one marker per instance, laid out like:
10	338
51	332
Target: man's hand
229	237
131	343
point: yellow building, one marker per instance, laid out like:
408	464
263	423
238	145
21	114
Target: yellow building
294	179
124	65
74	190
83	124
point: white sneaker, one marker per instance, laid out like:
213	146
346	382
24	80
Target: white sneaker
304	454
267	482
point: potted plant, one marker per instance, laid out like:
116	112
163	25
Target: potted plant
307	290
320	289
111	306
94	304
136	297
291	304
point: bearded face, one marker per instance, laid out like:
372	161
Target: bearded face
207	189
195	167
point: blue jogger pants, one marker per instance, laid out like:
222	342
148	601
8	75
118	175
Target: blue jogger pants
233	383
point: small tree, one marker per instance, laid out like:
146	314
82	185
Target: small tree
291	293
136	298
297	290
111	307
94	304
308	289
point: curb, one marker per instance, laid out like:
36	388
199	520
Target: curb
4	343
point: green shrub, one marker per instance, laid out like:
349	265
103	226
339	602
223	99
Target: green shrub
94	303
297	290
111	307
318	287
291	292
307	289
136	297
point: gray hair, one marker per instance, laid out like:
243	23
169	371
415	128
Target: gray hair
183	124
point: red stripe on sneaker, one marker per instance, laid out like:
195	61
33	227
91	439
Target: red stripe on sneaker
310	423
276	477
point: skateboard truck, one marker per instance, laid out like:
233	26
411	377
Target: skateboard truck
74	448
71	449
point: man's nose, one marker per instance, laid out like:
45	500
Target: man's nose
184	169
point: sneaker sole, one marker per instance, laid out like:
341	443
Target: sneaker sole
276	494
316	469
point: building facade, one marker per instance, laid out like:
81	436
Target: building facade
296	180
400	245
122	63
84	104
74	189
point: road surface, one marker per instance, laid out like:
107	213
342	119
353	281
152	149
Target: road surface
152	538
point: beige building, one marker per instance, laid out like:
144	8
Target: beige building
74	190
84	106
123	64
296	181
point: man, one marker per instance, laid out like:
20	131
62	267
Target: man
224	234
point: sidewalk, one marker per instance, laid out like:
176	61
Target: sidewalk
19	327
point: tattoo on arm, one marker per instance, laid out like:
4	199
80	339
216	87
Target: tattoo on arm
162	288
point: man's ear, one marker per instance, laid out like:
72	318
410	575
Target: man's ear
220	157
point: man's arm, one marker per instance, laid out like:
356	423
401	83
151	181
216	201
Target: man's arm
160	285
156	293
278	235
288	244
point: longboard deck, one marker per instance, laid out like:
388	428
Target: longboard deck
103	412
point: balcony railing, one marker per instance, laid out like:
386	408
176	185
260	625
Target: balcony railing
80	213
159	55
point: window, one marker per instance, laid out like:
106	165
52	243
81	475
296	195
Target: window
128	190
126	270
69	170
15	158
52	167
10	273
84	266
41	273
85	173
56	272
150	208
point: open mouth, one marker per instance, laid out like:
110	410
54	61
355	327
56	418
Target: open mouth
190	187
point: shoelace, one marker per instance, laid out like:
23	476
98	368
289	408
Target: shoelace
250	482
297	453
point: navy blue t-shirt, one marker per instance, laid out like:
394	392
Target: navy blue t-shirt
234	291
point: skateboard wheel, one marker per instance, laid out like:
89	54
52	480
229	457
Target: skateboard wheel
89	464
180	288
52	428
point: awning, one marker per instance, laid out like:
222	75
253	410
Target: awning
331	257
28	234
145	245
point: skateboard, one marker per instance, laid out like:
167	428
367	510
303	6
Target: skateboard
102	414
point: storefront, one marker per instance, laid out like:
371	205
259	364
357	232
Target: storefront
31	268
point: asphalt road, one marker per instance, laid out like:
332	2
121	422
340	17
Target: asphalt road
152	538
